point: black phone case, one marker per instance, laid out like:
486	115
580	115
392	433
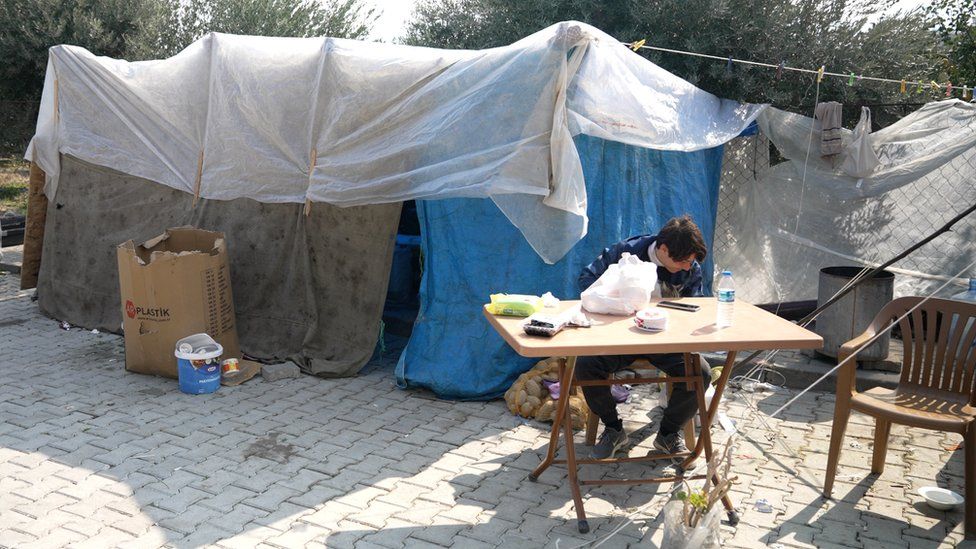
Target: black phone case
678	306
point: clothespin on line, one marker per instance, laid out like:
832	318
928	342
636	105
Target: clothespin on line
779	69
902	89
638	44
850	81
820	73
949	89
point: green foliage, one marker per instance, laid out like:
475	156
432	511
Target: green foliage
697	499
174	24
29	27
14	181
955	23
804	34
9	192
152	29
478	24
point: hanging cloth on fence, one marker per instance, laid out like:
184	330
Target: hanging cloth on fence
830	116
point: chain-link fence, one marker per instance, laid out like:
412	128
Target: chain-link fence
17	122
868	231
928	204
744	164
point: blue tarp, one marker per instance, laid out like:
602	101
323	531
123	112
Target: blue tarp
470	250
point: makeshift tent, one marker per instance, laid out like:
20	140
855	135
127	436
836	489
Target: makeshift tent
352	123
249	129
808	212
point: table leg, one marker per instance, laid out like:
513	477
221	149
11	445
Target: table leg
704	442
712	410
720	385
574	485
562	404
716	398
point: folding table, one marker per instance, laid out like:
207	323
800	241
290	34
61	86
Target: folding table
687	332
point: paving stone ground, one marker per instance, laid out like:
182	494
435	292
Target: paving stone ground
93	456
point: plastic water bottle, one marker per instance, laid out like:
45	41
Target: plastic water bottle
726	300
970	296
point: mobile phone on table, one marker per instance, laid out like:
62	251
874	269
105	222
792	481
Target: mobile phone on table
680	306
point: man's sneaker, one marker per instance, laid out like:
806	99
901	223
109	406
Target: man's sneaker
671	444
610	441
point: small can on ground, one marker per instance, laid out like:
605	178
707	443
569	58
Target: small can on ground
230	367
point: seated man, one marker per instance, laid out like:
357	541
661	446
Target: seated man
676	250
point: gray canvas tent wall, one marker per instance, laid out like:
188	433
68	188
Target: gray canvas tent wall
310	288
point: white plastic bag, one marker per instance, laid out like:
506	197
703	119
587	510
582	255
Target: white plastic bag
623	289
704	536
860	160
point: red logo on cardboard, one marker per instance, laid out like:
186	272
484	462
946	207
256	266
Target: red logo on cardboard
130	309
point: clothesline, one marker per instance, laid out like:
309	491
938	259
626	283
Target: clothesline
948	88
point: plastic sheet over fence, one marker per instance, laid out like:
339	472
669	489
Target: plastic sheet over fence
289	120
453	350
795	220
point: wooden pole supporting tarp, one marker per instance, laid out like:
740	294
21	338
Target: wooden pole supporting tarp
34	230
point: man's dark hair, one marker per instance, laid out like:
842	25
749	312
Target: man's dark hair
683	238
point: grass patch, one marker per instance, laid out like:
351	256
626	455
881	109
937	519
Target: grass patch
14	182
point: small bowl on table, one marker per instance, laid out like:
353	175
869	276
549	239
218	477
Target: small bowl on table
651	319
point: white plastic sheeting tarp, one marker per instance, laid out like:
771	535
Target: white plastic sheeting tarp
353	123
808	213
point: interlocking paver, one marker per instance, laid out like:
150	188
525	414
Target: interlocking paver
152	538
188	521
438	533
16	537
376	515
391	536
55	539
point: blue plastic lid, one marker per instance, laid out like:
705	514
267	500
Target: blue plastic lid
729	273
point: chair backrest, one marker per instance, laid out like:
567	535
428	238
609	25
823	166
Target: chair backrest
940	343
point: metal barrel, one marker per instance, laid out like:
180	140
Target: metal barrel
850	316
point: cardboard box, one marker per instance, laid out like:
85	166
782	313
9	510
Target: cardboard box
175	285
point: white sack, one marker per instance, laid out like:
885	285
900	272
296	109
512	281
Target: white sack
860	160
623	289
353	123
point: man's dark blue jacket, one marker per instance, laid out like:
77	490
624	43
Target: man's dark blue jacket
680	284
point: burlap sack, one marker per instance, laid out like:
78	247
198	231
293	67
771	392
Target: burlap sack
529	398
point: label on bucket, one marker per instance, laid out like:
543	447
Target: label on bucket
199	376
